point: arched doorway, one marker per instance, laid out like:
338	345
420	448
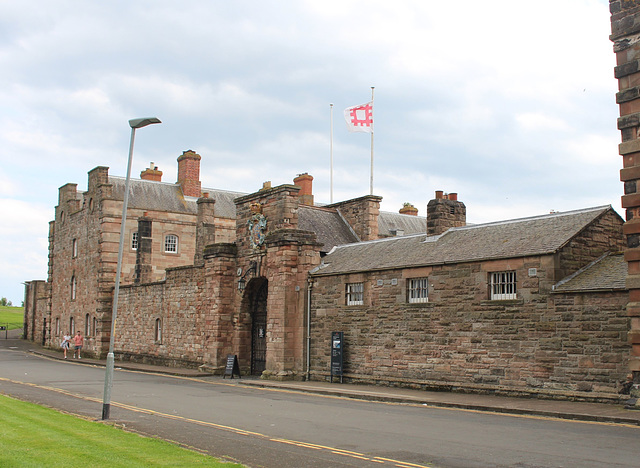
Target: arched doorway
259	326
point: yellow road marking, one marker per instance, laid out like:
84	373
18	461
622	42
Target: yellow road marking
136	409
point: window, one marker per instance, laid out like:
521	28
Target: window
74	287
417	290
87	325
355	294
158	330
171	243
503	285
57	326
74	248
134	240
72	326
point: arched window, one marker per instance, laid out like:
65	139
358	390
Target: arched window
74	248
171	243
57	326
158	331
94	328
87	325
72	326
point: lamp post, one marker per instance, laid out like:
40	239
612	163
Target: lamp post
108	379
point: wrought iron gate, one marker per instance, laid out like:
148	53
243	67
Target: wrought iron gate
259	329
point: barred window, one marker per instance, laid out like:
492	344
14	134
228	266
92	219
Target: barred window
503	285
355	294
134	240
171	243
417	290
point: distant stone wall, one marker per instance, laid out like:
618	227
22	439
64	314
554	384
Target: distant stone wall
177	304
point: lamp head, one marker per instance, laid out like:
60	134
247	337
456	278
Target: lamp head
143	122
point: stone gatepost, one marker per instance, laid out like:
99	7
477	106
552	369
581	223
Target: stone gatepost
218	304
291	253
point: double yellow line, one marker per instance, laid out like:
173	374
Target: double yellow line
136	409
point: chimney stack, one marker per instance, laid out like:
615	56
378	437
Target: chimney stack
445	212
409	209
305	182
151	173
189	173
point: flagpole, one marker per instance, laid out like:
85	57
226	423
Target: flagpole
331	151
372	122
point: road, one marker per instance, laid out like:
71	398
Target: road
279	428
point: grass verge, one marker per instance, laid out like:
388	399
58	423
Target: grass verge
12	317
35	436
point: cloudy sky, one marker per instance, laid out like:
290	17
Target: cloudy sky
510	104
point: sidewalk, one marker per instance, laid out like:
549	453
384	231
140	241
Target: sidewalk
600	412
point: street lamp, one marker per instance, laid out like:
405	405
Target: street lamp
108	379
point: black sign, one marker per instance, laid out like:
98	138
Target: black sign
336	354
232	366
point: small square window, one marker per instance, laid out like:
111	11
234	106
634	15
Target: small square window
417	290
355	294
503	285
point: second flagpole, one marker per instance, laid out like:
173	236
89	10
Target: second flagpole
372	124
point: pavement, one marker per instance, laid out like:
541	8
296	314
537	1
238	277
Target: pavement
613	412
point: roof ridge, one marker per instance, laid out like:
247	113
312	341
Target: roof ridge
532	218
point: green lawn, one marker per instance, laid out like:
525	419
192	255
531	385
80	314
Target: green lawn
11	316
34	436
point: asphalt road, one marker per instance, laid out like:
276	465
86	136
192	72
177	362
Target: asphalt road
281	428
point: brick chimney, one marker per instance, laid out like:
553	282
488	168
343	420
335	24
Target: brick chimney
189	173
409	209
151	173
305	182
445	212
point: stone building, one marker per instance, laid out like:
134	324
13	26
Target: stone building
530	305
186	251
526	306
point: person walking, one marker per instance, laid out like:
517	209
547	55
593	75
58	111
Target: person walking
78	341
66	341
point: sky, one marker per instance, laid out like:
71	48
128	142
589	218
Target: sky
509	104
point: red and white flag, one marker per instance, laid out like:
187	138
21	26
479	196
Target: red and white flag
360	118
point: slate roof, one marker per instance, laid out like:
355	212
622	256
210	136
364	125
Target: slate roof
537	235
409	224
608	272
163	196
330	228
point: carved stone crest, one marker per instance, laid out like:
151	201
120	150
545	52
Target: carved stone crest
257	230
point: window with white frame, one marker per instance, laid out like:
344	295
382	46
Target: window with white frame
171	243
417	290
134	240
74	248
87	325
503	285
355	293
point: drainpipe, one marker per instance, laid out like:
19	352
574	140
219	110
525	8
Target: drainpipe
309	288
